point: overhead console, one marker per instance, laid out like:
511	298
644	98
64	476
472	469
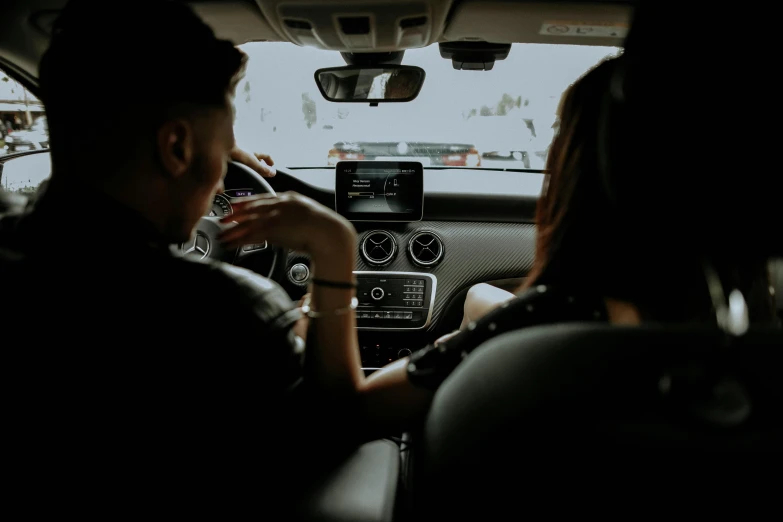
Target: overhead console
353	26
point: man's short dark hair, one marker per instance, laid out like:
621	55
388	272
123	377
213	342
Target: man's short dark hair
111	73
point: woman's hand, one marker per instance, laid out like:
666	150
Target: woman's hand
300	328
292	221
444	338
261	163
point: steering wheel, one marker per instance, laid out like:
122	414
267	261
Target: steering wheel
204	243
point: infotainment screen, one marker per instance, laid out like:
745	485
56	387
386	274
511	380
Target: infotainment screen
379	190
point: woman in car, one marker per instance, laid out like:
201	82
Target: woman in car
591	264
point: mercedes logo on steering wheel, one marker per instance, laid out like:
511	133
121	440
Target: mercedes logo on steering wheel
199	248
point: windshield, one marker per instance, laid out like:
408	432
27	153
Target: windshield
502	118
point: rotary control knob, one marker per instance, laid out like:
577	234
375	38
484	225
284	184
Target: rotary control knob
403	353
377	293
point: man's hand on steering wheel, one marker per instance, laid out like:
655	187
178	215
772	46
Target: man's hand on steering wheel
261	163
250	170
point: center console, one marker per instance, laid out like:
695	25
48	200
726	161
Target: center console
394	308
394	300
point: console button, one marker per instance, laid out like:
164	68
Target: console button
251	248
299	273
377	293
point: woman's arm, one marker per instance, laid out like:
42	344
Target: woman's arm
390	400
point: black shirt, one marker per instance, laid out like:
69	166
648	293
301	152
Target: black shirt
116	352
430	366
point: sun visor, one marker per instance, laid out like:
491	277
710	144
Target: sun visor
236	21
538	22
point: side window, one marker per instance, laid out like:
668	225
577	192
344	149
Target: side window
25	175
23	128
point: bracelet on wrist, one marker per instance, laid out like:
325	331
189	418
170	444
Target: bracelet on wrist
313	314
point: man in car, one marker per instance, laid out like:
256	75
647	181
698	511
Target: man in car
402	84
134	372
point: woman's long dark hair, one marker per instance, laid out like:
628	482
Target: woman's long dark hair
587	243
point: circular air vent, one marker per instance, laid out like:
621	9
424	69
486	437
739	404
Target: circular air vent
425	248
378	247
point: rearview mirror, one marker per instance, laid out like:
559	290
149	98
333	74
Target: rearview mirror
379	84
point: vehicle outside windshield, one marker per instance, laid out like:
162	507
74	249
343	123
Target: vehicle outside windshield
502	118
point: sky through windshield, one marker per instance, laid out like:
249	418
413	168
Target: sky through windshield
503	116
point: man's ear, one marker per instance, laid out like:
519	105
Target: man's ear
175	146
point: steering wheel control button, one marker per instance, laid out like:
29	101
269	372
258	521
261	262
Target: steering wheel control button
299	273
254	247
377	293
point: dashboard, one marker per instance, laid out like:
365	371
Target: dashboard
475	226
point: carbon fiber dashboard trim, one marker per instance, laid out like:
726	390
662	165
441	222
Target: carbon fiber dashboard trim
474	253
